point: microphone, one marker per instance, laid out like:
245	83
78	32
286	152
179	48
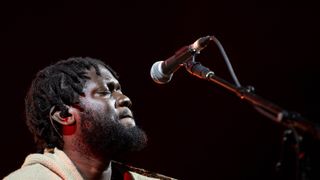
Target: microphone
162	71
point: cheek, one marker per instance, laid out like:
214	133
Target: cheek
94	105
106	108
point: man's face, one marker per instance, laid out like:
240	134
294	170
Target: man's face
107	124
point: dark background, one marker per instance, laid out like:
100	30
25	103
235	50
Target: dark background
196	129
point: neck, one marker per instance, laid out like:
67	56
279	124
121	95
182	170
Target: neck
90	167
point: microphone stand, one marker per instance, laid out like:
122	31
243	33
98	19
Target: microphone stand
297	127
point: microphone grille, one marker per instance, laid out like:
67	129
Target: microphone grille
157	75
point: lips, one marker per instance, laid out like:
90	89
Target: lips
125	116
126	119
126	113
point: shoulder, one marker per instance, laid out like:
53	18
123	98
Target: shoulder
35	171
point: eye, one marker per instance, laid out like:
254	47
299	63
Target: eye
103	93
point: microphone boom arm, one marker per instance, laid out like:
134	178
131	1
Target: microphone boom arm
263	106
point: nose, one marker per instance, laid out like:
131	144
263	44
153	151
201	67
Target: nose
122	100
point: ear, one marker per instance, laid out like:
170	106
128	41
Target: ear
64	120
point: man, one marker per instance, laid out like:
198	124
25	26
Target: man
80	120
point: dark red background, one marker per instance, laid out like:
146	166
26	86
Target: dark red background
196	130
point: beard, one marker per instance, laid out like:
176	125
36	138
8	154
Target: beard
103	135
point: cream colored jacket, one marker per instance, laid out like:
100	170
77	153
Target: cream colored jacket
57	166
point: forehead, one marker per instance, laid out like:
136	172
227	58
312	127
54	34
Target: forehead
105	75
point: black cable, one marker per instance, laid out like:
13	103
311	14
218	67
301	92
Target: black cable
226	59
